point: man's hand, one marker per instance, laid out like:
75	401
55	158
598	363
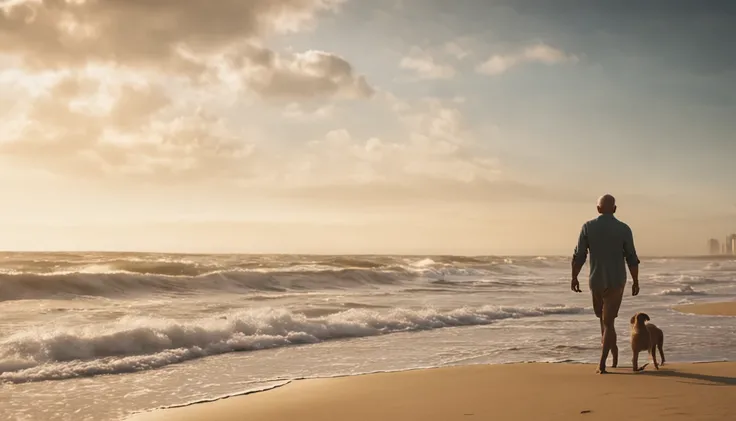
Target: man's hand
635	289
575	285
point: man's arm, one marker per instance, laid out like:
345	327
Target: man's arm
634	270
579	257
576	268
632	260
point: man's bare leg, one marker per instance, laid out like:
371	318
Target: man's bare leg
614	347
614	353
609	342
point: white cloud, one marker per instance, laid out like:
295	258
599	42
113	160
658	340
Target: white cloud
425	66
103	124
144	33
186	39
302	75
297	111
90	126
433	144
142	89
456	49
540	53
163	102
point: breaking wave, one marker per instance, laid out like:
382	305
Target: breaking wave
112	277
114	284
683	279
722	266
133	344
682	291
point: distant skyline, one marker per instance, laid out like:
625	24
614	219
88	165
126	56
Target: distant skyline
727	248
345	126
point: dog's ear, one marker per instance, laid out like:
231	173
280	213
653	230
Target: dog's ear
633	318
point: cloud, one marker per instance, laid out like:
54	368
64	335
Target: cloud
186	38
74	32
540	53
433	144
102	124
302	75
100	99
425	66
87	126
418	193
297	111
456	49
134	89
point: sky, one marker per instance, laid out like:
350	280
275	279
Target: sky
380	127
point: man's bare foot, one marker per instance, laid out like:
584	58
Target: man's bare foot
601	370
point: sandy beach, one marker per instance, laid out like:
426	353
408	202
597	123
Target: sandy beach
502	392
710	309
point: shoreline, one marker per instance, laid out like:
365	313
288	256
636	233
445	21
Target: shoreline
456	391
720	308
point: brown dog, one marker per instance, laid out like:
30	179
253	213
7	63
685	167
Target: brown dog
645	337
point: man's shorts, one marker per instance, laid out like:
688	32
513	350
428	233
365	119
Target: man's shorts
607	302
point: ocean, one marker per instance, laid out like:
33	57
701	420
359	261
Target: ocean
99	336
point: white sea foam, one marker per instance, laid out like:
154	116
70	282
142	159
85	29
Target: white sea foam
721	266
133	343
695	280
423	263
682	291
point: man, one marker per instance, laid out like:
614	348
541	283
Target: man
611	243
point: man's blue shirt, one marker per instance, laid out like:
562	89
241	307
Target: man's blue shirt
611	246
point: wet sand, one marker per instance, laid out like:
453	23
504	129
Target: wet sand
710	309
482	392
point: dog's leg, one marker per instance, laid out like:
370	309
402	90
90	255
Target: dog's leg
660	345
653	351
635	361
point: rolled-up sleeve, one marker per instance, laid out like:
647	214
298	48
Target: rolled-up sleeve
581	250
629	250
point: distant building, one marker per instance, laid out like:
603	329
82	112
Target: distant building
730	245
714	246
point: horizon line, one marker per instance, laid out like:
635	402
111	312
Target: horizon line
193	253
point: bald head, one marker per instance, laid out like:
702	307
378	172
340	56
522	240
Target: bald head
607	204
